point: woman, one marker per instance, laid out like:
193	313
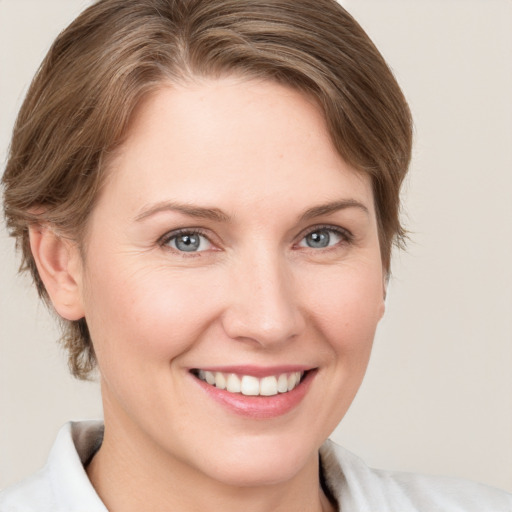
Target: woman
207	194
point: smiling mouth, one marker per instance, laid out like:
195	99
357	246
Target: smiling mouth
250	385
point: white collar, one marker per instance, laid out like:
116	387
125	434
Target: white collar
63	486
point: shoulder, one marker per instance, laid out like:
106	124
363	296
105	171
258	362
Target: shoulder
362	489
62	485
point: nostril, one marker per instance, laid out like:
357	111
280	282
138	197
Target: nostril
261	325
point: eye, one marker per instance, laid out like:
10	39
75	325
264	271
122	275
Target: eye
321	238
187	241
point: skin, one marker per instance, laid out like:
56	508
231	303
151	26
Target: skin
255	293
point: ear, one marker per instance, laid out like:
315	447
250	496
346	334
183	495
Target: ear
385	282
59	264
382	308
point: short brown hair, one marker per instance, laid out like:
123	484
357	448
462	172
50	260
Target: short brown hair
80	103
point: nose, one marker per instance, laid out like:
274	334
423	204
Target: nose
263	302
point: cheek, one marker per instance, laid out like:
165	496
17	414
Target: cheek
156	314
348	306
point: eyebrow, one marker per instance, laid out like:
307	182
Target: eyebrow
332	207
217	215
198	212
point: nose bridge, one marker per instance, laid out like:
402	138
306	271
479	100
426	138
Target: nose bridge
263	306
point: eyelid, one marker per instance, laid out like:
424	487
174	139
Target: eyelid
347	235
170	235
162	241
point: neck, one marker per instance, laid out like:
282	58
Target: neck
132	476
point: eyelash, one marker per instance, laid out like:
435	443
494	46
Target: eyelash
346	236
168	237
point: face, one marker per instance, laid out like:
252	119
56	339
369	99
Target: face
231	247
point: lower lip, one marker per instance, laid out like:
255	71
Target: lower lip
260	407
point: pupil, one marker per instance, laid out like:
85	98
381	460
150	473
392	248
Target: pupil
318	239
188	243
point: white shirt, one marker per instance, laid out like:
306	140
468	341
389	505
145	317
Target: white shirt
62	485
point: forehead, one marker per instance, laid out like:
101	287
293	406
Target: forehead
231	141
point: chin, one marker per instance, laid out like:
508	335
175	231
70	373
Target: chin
260	462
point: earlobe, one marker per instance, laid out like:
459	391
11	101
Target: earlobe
384	297
382	308
59	264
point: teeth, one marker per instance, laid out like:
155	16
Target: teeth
233	384
282	383
220	380
292	381
268	386
252	386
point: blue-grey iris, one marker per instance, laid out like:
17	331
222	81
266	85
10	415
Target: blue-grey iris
318	239
188	243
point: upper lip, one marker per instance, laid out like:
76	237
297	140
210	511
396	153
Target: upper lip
256	371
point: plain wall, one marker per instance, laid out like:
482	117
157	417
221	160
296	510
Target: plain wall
438	393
